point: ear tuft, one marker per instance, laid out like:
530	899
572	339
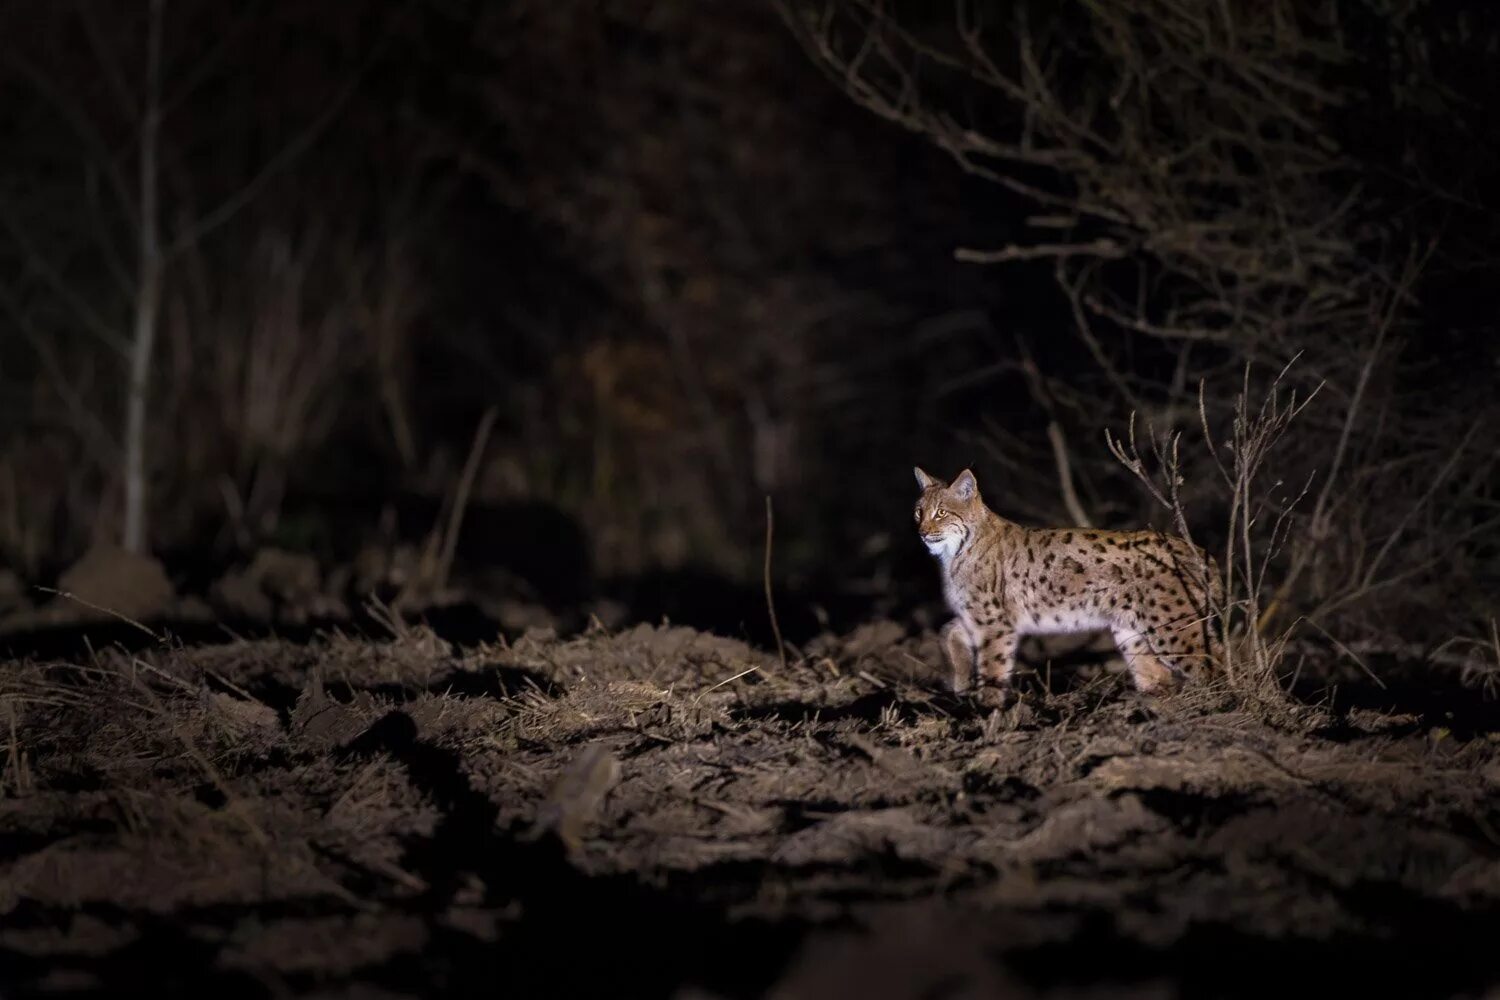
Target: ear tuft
965	487
923	479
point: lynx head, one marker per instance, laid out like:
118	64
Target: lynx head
946	514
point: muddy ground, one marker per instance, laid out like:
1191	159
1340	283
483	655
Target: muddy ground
658	811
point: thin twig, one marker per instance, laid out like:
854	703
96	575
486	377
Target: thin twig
1109	249
1054	437
102	610
1065	476
736	677
1346	651
770	603
461	499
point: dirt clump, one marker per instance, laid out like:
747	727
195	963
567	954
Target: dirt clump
275	586
106	584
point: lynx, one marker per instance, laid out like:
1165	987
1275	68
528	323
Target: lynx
1003	580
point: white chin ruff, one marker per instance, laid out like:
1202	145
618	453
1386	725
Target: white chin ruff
943	549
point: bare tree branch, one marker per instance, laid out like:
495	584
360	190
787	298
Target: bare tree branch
148	296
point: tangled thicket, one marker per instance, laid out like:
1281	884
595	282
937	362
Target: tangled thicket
1214	185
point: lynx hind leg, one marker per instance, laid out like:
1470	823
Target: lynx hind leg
1186	637
1191	647
1151	673
997	654
960	654
1195	640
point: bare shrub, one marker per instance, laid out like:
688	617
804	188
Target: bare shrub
125	175
1213	185
1259	516
277	350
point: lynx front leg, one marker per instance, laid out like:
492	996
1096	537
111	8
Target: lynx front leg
997	653
960	653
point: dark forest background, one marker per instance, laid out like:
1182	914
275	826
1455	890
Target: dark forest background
689	256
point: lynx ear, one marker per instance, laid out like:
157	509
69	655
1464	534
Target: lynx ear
924	480
965	487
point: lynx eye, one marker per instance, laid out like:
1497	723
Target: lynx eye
939	514
918	512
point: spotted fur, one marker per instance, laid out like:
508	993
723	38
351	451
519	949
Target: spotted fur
1003	580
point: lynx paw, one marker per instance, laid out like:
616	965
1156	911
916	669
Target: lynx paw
1155	677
